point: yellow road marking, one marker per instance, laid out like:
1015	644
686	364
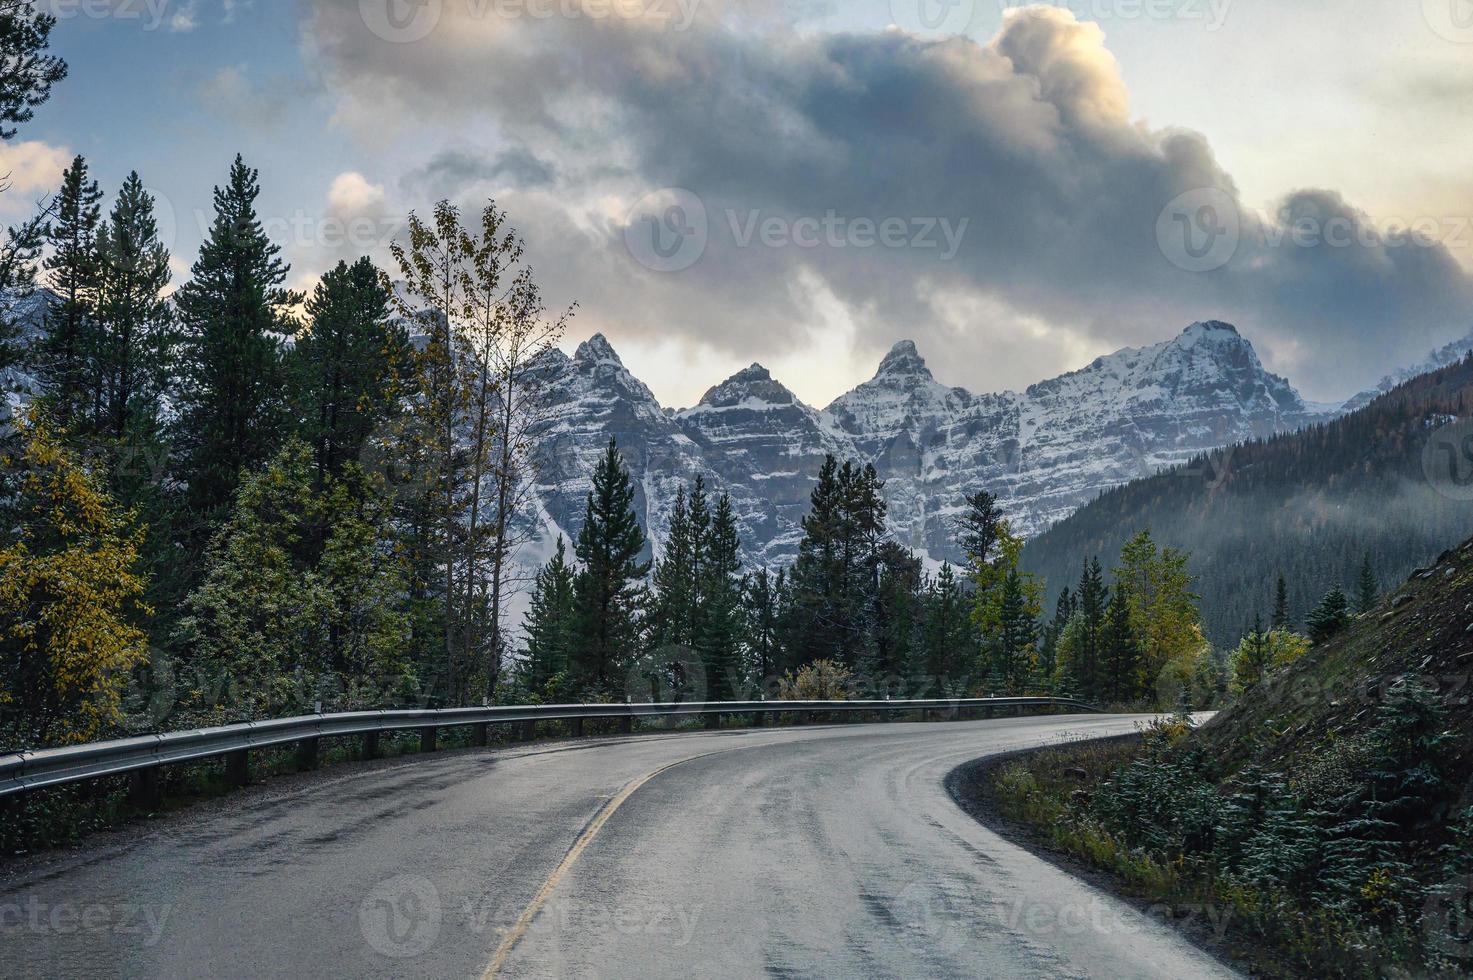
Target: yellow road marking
524	922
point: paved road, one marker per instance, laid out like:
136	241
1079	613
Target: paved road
821	851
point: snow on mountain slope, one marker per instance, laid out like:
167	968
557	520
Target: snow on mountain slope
1045	452
765	447
1442	357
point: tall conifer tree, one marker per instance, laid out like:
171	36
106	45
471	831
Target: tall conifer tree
232	311
607	589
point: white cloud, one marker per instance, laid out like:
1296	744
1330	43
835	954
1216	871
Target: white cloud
352	194
30	170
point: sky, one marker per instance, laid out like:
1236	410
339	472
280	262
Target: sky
804	183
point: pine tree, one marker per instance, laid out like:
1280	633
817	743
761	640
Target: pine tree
836	575
1281	619
66	355
1367	589
607	587
1048	648
946	634
346	366
979	528
897	616
550	624
70	616
1251	661
232	311
1121	655
1015	652
135	325
719	640
671	615
1330	617
763	599
27	72
1092	599
360	572
256	624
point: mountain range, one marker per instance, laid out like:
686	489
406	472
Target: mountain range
1044	451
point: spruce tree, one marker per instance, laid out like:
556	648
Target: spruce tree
947	636
673	581
1367	589
719	640
1121	653
1048	647
136	335
895	656
607	587
232	312
762	599
65	358
1251	661
1330	617
979	527
835	575
1015	645
27	72
550	623
1092	598
1280	619
345	367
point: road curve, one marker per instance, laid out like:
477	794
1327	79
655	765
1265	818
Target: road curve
817	851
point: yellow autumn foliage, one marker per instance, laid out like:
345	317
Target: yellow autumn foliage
69	601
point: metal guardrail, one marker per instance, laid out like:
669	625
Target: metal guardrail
143	755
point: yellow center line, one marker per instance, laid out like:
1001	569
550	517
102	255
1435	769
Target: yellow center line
524	922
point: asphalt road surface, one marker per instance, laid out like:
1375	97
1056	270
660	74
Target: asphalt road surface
801	852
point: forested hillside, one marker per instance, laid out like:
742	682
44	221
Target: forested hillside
1390	481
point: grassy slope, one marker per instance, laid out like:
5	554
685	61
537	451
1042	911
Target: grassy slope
1425	628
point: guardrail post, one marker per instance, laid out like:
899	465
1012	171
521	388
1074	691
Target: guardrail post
238	768
626	724
429	739
370	745
527	731
713	719
143	788
480	735
308	753
577	727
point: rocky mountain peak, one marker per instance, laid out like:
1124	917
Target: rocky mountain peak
904	361
597	350
751	387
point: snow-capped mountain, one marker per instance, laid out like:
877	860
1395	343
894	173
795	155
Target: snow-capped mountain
1440	358
1045	451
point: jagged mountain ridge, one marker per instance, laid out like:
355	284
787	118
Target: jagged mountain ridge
1045	451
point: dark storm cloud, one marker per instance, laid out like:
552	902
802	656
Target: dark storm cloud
1073	215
